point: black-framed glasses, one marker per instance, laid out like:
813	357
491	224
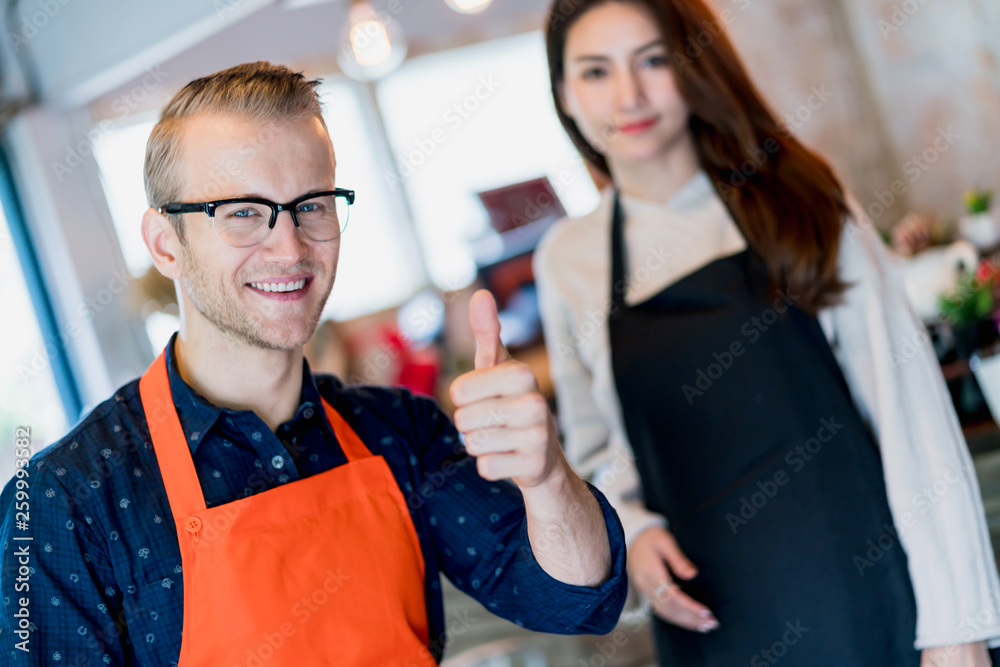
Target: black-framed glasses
246	221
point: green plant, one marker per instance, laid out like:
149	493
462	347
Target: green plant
970	302
978	201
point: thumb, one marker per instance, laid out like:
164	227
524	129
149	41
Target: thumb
486	327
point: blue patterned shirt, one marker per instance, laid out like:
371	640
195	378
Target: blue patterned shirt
104	580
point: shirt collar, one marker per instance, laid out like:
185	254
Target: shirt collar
197	415
695	193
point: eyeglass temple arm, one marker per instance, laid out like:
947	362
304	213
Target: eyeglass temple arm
183	208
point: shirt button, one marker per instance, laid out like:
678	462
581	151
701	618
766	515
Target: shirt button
278	461
307	413
193	524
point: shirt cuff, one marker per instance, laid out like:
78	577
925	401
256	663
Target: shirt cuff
584	609
636	523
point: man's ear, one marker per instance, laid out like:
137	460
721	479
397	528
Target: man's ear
162	242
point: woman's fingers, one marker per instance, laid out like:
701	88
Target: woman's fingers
671	552
654	554
675	606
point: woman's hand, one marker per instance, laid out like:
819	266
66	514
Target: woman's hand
654	559
960	655
912	234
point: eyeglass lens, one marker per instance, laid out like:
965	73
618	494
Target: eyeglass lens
242	224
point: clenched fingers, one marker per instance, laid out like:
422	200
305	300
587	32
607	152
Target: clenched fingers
511	378
491	441
512	465
494	413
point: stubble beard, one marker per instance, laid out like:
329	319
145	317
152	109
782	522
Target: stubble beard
231	317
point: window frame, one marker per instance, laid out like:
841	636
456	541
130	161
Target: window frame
44	309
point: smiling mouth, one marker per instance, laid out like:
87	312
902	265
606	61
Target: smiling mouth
638	126
293	286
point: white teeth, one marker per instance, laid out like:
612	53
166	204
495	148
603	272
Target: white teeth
280	287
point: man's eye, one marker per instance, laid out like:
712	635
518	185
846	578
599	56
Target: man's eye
308	207
243	213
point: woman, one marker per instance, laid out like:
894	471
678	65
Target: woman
724	317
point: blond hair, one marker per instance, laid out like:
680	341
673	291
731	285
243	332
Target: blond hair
258	91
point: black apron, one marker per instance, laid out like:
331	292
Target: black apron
747	440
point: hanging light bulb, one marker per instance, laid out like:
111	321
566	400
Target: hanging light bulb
372	45
468	6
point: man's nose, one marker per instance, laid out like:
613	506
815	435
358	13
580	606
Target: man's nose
285	241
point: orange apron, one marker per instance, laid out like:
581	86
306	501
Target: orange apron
326	570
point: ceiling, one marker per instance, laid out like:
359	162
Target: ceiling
304	37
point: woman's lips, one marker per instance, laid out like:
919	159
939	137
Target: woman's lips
637	127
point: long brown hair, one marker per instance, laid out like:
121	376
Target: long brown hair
785	198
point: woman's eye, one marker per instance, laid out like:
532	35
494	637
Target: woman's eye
659	60
593	73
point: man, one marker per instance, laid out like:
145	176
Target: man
278	517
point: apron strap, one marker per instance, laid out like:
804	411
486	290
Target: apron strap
176	467
619	286
354	449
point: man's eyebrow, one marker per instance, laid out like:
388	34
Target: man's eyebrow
654	43
255	195
239	195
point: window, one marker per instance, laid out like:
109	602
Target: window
468	120
120	154
29	395
380	264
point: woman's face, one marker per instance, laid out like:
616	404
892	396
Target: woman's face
619	87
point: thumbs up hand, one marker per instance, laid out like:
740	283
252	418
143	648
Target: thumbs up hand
509	429
505	418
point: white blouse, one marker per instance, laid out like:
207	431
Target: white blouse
883	351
